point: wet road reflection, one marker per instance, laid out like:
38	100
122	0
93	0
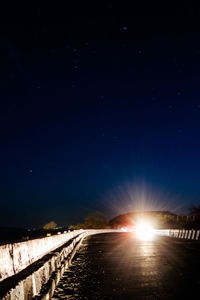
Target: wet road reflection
119	266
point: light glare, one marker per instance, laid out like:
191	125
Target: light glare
145	231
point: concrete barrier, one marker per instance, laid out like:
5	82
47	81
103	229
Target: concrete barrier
17	256
40	272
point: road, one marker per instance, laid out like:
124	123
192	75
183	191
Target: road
119	266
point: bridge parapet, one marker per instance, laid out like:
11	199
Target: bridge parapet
15	257
37	265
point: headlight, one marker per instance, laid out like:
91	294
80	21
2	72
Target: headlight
144	231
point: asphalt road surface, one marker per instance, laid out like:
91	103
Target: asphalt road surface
119	266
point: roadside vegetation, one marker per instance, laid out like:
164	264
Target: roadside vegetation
97	220
160	219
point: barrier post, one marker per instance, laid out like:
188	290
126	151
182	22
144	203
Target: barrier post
189	234
186	234
181	235
197	235
193	234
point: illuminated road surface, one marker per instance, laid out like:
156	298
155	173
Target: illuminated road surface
119	266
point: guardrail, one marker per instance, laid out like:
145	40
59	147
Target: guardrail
189	234
185	234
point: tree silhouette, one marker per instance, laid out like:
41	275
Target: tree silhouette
95	220
195	210
49	226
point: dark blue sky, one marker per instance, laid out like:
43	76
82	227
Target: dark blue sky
99	111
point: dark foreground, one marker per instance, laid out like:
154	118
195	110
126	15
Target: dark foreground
119	266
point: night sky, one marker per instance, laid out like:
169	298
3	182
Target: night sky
100	110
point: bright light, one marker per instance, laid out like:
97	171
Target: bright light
145	231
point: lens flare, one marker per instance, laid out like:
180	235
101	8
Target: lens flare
124	229
144	231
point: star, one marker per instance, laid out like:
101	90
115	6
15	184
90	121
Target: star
28	172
